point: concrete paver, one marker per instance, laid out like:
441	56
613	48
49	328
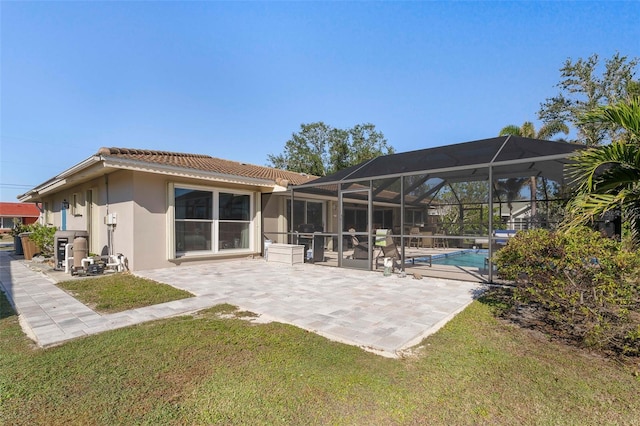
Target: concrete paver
382	314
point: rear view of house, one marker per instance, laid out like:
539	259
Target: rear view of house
161	209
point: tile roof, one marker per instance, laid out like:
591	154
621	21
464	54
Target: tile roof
19	210
207	163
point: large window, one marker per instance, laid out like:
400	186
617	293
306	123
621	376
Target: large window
211	221
194	220
234	221
9	222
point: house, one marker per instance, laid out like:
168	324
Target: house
12	213
160	209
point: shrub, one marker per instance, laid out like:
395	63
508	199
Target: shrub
43	237
583	286
19	228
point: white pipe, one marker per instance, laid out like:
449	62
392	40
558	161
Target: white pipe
67	247
114	261
89	260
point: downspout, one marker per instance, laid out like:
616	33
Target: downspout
291	220
109	236
40	207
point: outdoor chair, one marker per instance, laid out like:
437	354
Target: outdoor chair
360	249
414	237
426	242
388	248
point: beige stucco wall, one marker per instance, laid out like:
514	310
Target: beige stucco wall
119	194
141	204
149	222
152	221
80	221
274	217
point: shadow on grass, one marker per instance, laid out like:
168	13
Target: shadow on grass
6	310
499	299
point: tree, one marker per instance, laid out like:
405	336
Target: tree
608	177
510	190
582	90
319	149
528	130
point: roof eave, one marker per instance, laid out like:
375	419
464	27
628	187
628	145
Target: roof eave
59	180
136	165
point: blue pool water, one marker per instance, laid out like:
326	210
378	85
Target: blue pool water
466	258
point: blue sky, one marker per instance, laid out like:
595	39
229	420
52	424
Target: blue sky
236	79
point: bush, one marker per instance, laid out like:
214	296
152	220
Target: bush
19	228
580	285
43	237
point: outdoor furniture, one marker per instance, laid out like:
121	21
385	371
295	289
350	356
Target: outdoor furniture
286	253
388	248
426	241
360	250
440	241
414	237
311	239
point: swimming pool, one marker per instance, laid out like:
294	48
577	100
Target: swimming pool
466	258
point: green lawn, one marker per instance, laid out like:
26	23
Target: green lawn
205	369
120	292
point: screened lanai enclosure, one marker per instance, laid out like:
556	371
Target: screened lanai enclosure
434	212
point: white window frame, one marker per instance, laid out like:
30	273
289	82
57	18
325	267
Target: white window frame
77	204
215	221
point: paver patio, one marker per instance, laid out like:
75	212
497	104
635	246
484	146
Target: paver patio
385	315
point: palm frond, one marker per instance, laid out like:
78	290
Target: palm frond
592	167
511	129
552	128
624	114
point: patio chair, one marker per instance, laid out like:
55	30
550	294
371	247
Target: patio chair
414	237
426	242
388	248
360	250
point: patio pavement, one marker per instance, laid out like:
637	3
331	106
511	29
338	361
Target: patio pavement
385	315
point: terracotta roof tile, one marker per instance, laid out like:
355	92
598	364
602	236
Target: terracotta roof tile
207	163
19	210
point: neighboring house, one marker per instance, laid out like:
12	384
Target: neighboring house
519	217
12	213
160	209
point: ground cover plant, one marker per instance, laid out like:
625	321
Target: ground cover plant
576	285
216	368
120	292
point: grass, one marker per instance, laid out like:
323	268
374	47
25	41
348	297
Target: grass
120	292
215	368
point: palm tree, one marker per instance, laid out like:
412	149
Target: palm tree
510	190
528	130
608	177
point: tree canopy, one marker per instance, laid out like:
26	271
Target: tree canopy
608	177
319	149
584	87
